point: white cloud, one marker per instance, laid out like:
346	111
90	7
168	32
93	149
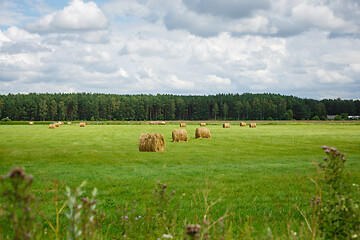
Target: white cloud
78	16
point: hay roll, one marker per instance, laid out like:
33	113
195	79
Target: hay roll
151	142
57	124
252	125
69	123
202	133
226	125
61	123
242	124
179	135
152	123
202	124
52	126
162	123
182	124
31	123
82	124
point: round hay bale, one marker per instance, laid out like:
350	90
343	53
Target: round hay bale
52	126
82	124
179	135
152	123
242	124
226	125
162	123
202	124
151	142
252	125
57	124
69	123
61	123
202	133
182	124
31	123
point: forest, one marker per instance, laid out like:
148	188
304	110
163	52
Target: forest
102	107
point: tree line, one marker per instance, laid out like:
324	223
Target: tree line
101	107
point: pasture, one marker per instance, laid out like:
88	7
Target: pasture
259	174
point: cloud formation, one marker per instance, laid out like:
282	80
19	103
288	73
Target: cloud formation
77	16
302	48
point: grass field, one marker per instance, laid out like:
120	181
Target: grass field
259	173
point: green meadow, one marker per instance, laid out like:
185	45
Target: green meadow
260	174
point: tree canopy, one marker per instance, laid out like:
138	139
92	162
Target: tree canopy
87	106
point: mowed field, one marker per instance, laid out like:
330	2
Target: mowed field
261	173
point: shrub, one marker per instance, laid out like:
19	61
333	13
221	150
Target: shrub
7	119
316	118
337	117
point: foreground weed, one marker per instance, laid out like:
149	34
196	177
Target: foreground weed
18	206
338	204
81	215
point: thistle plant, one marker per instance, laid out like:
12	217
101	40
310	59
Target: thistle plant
338	206
18	205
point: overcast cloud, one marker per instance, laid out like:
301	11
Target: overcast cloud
303	48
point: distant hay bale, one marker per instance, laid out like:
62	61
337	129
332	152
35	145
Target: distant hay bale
202	124
82	124
52	126
68	123
31	123
151	142
152	123
57	124
226	125
202	133
179	135
252	125
182	124
242	124
61	123
162	123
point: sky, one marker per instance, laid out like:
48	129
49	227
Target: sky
305	48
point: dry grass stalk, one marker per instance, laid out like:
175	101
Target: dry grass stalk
202	124
252	125
242	124
182	124
82	124
226	125
179	135
202	133
151	142
31	123
52	126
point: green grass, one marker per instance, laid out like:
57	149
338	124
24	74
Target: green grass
261	172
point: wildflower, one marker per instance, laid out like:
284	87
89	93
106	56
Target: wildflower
28	235
173	192
139	217
17	172
327	151
28	209
325	159
221	219
324	147
333	149
136	219
164	185
354	236
126	217
169	236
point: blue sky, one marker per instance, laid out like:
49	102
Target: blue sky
300	47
